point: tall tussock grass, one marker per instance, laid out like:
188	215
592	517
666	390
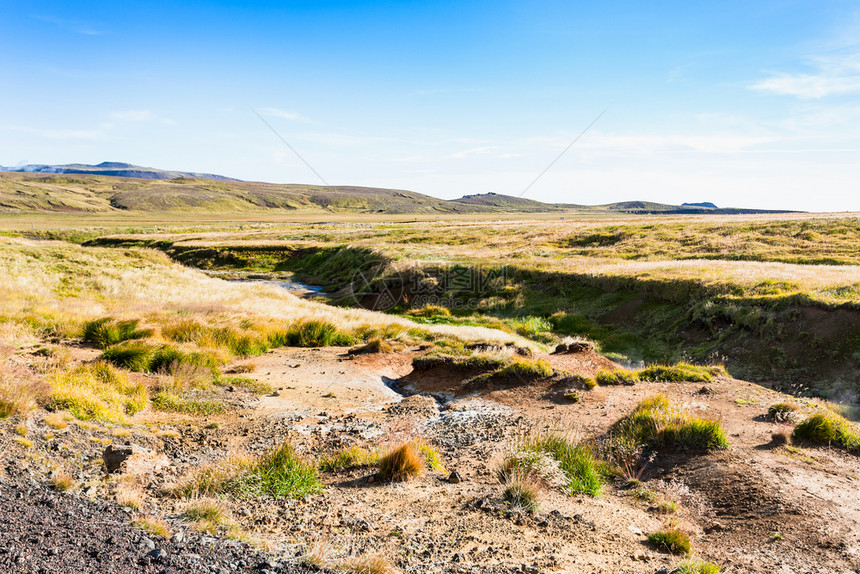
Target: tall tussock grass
19	395
106	331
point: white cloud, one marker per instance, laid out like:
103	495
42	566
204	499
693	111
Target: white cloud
292	116
483	150
834	75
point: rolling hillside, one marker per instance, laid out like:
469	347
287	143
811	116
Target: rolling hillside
104	188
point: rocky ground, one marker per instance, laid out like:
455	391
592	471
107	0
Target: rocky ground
758	507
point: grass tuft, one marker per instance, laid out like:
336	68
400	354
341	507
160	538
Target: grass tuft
352	457
679	372
402	463
614	378
829	428
521	491
62	481
153	526
106	332
671	540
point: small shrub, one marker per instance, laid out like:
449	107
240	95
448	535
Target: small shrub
828	428
521	492
573	396
671	540
697	567
402	463
783	412
614	378
352	457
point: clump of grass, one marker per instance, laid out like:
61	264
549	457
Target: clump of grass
577	461
521	492
279	473
130	495
657	423
539	465
316	334
614	378
55	421
402	463
430	454
97	392
21	430
106	332
783	412
573	396
153	526
26	443
680	372
665	506
166	359
829	428
133	356
208	514
62	481
697	567
671	540
18	396
352	457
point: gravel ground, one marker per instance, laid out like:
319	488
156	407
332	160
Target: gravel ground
46	531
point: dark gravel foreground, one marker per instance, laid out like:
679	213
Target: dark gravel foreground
43	531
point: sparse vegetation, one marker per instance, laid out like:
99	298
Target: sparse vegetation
611	378
697	567
208	515
153	525
280	473
671	540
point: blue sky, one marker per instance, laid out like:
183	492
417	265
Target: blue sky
753	104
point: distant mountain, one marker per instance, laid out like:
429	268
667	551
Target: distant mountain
114	187
113	168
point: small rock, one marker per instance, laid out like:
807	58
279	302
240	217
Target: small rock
115	455
158	554
455	478
178	538
276	393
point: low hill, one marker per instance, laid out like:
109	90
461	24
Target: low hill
103	188
113	168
